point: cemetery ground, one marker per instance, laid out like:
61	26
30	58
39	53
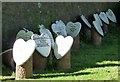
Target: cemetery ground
90	62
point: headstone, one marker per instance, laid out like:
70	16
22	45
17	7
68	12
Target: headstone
104	17
22	50
96	16
85	21
73	29
86	28
24	34
22	55
43	44
46	31
111	15
62	46
98	27
59	28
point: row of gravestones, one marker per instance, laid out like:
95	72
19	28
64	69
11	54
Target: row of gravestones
40	45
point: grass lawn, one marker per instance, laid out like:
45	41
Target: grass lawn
88	63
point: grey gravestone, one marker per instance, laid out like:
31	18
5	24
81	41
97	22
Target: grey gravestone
22	51
104	18
24	34
96	16
43	44
59	28
73	29
46	31
85	21
111	15
62	46
98	27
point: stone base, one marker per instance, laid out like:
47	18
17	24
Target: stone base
96	38
25	70
65	62
76	42
40	62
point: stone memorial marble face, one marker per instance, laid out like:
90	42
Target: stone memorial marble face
59	28
22	50
104	18
73	29
96	16
85	21
111	15
46	31
43	44
62	46
26	35
98	27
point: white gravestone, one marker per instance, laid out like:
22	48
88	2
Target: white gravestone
43	44
85	21
98	27
96	16
46	31
73	29
22	50
104	18
62	46
59	28
24	34
111	15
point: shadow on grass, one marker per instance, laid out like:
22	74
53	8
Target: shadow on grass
106	65
65	74
8	79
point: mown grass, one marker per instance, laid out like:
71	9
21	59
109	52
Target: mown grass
90	62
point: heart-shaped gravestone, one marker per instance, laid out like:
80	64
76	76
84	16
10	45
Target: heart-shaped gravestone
59	28
96	16
24	34
46	31
73	29
85	21
104	17
62	46
111	15
22	50
98	27
43	44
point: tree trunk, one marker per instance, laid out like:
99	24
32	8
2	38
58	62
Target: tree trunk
105	28
65	62
87	33
25	71
40	62
96	37
76	42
